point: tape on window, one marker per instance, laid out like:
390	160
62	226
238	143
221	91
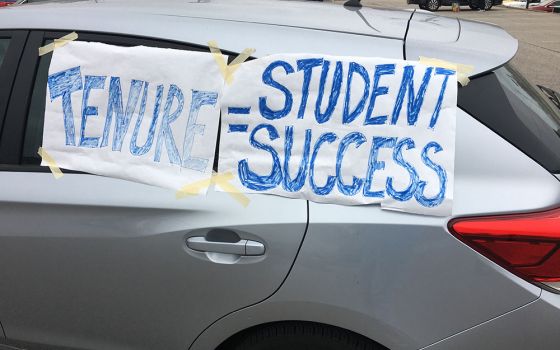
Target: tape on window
463	70
221	180
58	43
55	170
228	70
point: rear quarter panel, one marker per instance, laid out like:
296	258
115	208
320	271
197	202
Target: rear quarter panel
401	279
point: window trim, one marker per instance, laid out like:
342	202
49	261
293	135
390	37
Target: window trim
7	71
11	138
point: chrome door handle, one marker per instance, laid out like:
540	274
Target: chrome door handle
241	247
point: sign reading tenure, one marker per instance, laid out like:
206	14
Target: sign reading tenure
143	114
342	130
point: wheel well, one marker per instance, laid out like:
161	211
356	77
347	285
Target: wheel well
239	336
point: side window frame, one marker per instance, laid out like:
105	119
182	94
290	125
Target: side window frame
12	136
9	67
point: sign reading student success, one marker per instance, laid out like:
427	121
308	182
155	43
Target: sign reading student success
143	114
342	130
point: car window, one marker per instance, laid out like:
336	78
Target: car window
3	49
507	103
34	128
35	116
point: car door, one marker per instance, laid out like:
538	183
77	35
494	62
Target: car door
99	263
11	48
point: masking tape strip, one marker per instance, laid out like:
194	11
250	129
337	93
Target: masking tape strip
58	43
221	180
228	70
219	58
232	191
51	163
463	70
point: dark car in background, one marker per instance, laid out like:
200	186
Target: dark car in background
434	5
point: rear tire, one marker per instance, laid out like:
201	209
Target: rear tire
488	4
300	336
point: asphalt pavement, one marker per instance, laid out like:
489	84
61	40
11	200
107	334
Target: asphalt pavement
538	57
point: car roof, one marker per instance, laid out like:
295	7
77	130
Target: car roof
275	26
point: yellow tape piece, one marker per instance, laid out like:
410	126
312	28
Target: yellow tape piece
221	180
58	43
463	70
51	163
228	70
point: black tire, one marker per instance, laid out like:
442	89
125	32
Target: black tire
487	4
422	6
432	5
300	336
473	6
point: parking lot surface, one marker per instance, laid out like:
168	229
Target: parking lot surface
538	57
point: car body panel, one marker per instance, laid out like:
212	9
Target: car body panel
483	46
101	263
403	279
533	326
299	14
232	36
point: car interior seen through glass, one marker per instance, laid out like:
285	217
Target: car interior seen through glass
508	104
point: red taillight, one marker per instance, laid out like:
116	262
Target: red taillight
525	244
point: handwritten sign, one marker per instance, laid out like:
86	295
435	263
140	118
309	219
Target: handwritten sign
143	114
342	130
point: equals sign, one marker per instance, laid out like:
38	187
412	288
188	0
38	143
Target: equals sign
238	127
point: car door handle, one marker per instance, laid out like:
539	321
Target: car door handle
242	247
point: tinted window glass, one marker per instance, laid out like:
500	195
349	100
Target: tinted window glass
3	49
508	104
36	114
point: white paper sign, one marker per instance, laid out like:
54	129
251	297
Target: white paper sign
143	114
344	130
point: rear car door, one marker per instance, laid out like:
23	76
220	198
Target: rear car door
100	263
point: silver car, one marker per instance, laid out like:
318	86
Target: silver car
89	262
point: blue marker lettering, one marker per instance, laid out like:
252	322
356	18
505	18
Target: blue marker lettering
442	175
380	70
199	99
123	121
297	183
349	190
374	164
307	66
335	92
267	79
347	116
435	115
165	132
407	193
114	106
414	101
141	150
252	180
327	188
91	82
64	84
